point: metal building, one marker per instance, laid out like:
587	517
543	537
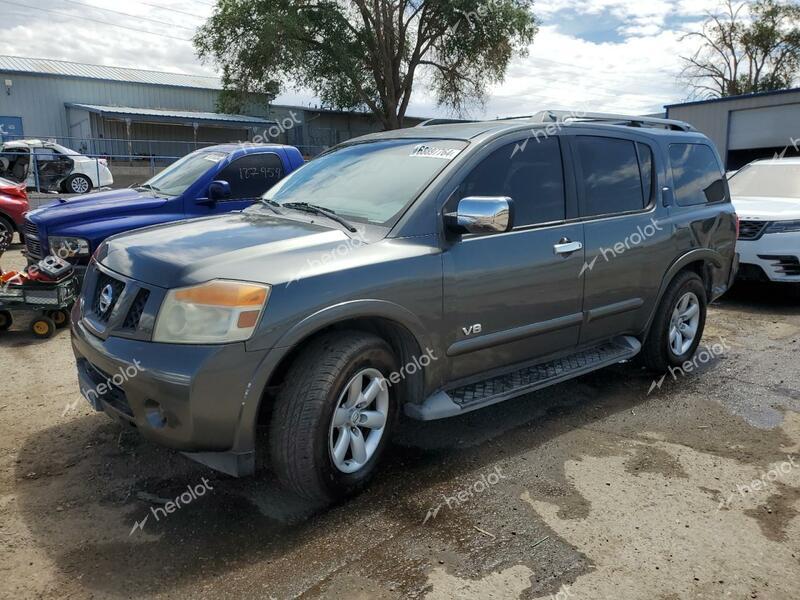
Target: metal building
119	111
745	128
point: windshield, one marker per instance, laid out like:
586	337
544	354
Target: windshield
174	180
64	150
767	180
372	181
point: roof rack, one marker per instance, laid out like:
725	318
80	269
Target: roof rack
430	122
562	116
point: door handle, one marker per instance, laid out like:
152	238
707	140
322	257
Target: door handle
565	246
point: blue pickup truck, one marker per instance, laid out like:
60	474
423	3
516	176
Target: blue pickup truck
210	181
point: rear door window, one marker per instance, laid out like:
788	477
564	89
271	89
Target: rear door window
611	179
252	175
696	174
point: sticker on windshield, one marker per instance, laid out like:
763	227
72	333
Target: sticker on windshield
426	151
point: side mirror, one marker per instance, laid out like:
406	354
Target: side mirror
219	190
483	215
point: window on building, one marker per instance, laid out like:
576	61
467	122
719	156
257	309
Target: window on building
531	175
612	181
696	174
252	175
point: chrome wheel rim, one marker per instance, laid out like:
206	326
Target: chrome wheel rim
684	324
359	421
80	185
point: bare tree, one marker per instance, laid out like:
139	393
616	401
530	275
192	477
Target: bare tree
749	46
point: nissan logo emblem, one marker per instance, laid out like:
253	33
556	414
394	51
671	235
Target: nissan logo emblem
106	298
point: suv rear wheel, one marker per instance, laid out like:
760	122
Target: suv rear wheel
333	418
678	326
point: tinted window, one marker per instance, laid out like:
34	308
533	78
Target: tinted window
530	174
696	174
612	182
252	175
647	168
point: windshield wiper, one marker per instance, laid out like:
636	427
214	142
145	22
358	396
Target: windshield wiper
271	204
319	210
147	186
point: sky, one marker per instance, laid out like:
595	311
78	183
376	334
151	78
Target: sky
599	55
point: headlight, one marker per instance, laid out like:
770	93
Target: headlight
783	227
214	312
69	247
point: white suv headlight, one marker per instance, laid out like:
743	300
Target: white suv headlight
214	312
783	227
65	247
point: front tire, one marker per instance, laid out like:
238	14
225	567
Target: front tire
334	416
679	323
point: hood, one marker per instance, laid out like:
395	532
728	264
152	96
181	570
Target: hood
95	206
760	208
258	247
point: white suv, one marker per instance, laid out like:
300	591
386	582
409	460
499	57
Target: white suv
766	194
56	168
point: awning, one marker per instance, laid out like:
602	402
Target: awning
180	117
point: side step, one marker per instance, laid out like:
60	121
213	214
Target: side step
460	400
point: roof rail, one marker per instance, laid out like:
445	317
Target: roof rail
430	122
562	116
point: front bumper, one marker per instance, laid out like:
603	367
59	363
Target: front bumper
776	254
191	398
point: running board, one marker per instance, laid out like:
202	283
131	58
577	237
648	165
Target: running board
460	400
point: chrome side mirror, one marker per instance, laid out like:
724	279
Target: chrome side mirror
483	215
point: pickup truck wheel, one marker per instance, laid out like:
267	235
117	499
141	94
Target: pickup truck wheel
678	326
334	416
6	233
77	184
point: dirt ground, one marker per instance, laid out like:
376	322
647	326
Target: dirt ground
598	488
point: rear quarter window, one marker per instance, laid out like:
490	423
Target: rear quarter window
697	177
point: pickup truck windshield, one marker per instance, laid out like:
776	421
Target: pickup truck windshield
371	181
174	180
770	181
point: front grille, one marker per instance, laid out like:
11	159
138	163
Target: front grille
32	241
752	230
788	265
117	286
137	308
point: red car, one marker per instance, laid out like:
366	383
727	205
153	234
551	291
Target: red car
13	205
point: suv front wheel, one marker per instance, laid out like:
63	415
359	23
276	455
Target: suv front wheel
679	323
334	415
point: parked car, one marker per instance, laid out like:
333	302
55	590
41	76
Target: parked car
53	167
13	206
766	194
209	181
434	270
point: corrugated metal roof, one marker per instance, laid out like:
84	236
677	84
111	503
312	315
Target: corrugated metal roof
46	66
182	115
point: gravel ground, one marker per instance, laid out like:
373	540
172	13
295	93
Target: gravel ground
597	488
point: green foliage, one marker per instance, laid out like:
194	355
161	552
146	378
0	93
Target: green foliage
753	46
366	54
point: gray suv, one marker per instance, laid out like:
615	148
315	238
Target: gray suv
429	271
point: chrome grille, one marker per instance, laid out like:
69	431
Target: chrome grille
32	241
752	230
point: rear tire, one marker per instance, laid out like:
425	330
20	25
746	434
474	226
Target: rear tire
59	317
677	328
6	320
78	184
6	233
43	327
317	410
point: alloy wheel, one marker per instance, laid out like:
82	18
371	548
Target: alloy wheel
684	324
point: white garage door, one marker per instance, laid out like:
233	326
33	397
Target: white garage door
769	127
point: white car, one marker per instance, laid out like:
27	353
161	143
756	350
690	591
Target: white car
57	168
766	194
